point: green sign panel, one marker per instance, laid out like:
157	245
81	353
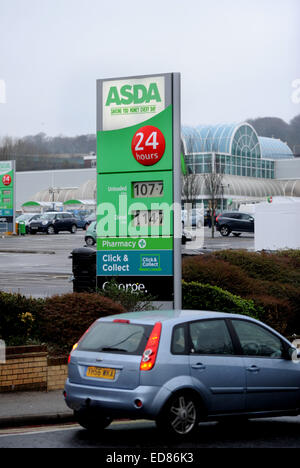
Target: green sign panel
7	196
138	184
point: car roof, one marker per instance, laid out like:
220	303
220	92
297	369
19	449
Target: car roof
174	317
152	316
56	212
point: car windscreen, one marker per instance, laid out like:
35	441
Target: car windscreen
92	226
116	337
48	216
23	217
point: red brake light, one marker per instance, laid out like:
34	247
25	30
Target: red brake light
121	321
150	353
217	217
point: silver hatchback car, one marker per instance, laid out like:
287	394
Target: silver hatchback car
179	368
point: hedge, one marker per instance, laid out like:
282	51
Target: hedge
206	297
18	315
57	321
282	266
271	280
65	318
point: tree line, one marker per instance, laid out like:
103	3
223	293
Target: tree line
36	152
274	127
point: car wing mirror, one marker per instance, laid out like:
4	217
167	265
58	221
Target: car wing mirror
294	354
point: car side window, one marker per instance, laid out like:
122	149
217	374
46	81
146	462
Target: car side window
257	341
245	217
178	345
210	337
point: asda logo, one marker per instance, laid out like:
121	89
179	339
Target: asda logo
133	94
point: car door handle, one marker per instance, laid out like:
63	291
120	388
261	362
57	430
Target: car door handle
253	369
198	366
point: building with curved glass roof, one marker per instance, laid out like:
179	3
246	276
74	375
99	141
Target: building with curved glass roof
239	139
235	150
272	148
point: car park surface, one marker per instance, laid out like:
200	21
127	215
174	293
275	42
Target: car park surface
179	368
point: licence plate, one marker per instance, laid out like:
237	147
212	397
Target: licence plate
101	372
34	227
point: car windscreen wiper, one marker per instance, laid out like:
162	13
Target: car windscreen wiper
120	350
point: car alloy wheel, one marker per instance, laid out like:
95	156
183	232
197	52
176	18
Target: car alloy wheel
50	230
89	241
225	231
181	416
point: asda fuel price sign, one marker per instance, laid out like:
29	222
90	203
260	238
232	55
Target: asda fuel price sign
138	185
7	196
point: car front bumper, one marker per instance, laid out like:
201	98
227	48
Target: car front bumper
38	228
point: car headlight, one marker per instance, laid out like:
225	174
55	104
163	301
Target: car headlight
44	223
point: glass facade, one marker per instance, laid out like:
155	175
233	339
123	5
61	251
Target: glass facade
231	149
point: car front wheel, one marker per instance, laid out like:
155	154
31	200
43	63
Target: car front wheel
89	241
225	231
180	417
50	230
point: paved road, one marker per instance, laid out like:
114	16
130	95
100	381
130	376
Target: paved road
135	436
40	265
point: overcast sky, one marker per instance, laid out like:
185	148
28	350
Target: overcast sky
237	58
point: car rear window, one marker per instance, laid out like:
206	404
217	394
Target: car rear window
116	337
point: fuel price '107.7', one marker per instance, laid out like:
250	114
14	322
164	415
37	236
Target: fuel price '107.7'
148	189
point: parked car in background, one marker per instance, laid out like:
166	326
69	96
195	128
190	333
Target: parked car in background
180	368
53	223
186	235
235	222
193	218
81	221
89	219
91	235
27	218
